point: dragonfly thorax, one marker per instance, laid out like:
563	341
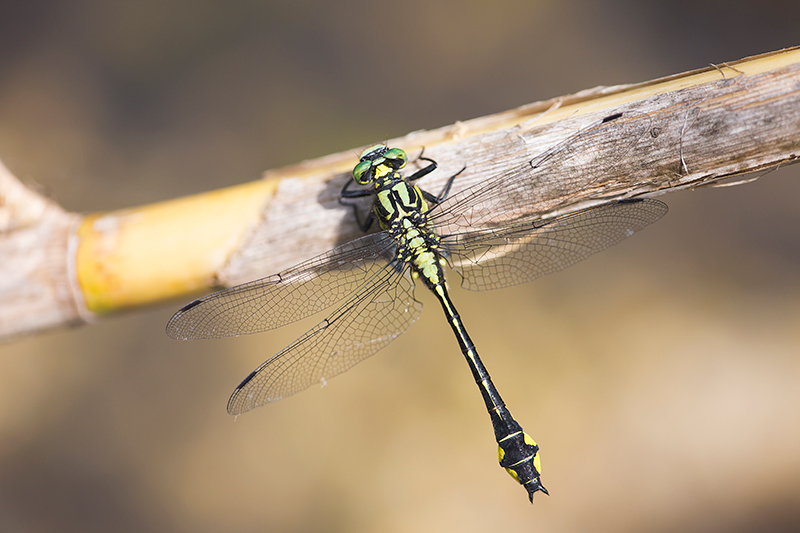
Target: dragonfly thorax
396	199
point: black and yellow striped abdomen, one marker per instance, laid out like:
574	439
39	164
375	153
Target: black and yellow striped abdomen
518	452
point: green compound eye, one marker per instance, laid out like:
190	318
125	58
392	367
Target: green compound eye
361	169
373	152
398	156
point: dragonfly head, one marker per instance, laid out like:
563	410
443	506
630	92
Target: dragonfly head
377	161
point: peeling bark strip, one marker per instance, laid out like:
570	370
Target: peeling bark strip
683	131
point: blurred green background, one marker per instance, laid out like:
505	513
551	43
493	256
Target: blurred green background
660	378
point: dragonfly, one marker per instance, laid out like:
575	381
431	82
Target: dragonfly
489	233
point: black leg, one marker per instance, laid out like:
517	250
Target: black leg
346	194
423	171
438	199
427	170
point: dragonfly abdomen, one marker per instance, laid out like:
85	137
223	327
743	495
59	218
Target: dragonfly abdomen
518	453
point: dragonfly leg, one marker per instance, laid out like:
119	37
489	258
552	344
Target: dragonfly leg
442	195
365	224
424	171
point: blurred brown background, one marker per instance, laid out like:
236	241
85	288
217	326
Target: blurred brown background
661	378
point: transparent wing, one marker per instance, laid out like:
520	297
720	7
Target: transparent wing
507	256
371	319
291	295
519	194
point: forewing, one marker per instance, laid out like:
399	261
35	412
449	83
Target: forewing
507	256
522	193
293	294
371	319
